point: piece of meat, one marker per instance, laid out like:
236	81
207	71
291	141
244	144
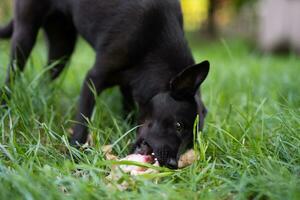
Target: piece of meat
185	160
132	169
147	171
115	175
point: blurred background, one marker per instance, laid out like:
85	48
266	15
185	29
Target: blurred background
273	25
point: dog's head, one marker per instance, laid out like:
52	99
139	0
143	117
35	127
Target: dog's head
168	118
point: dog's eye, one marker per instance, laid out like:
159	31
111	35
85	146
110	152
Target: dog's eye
179	127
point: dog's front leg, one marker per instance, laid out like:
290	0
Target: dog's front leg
24	36
96	79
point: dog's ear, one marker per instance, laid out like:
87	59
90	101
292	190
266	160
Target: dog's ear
187	82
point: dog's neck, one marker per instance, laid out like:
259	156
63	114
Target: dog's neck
155	75
161	63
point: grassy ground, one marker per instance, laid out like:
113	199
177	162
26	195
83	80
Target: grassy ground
250	148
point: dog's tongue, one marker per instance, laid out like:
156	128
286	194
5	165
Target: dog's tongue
137	158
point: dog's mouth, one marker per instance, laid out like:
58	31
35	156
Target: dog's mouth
144	148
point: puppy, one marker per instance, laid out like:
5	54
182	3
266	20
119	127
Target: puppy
140	47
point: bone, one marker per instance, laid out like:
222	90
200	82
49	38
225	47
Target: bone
187	158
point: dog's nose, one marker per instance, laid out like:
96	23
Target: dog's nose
172	163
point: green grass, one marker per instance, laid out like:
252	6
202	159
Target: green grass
250	147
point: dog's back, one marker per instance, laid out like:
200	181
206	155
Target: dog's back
107	20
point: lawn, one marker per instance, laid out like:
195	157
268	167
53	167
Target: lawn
249	149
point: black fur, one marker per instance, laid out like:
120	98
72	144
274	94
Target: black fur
7	31
139	46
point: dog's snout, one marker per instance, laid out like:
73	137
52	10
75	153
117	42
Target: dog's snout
172	163
166	157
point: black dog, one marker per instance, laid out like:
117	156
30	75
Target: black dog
139	46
